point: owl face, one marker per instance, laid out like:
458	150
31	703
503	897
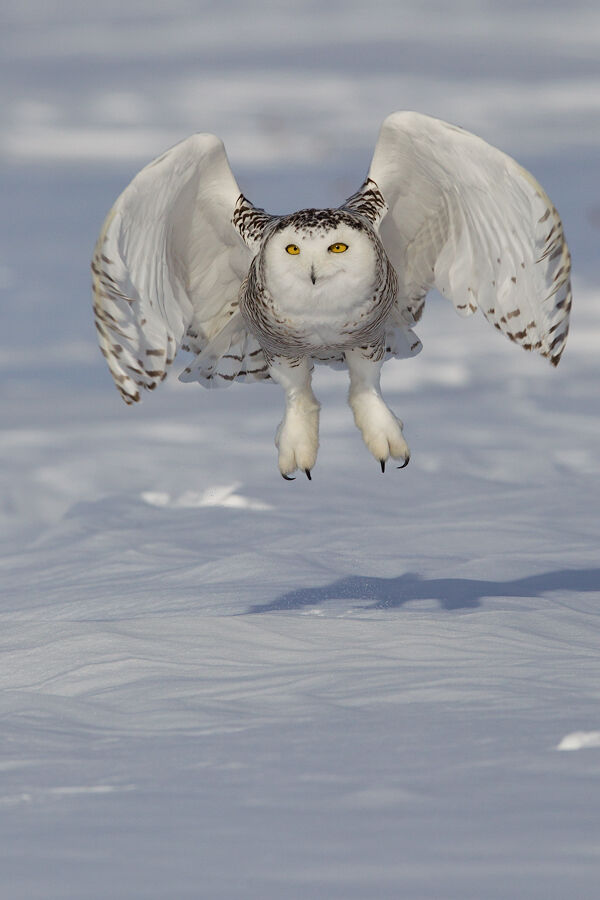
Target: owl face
311	261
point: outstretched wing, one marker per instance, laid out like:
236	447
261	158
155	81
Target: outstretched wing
168	266
466	218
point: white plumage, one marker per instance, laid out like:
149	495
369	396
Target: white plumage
184	259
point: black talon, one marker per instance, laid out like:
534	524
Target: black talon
288	477
382	464
405	463
308	475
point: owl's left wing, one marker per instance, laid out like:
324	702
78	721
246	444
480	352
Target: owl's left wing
466	218
168	264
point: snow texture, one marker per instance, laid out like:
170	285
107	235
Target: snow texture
216	684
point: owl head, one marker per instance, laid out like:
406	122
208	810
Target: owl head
317	250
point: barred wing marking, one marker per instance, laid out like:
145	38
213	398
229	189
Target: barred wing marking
466	218
168	264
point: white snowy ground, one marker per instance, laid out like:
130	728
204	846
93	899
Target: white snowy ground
219	685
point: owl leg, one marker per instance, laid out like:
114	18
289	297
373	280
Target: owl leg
297	437
380	428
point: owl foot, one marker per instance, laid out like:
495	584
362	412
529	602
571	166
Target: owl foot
297	437
297	440
381	430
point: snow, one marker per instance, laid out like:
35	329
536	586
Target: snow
217	684
579	740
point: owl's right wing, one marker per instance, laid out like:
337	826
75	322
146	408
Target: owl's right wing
466	218
168	264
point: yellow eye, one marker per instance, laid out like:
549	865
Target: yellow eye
338	248
293	249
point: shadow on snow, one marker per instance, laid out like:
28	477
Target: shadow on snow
452	593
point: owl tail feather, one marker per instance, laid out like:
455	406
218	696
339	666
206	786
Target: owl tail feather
232	355
402	343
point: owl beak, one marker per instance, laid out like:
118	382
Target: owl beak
313	277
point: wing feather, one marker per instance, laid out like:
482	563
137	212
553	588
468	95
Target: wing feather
168	263
466	218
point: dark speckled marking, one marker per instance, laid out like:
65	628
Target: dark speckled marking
319	220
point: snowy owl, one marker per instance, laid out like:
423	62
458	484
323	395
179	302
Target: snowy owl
185	260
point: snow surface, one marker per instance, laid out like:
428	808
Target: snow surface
216	684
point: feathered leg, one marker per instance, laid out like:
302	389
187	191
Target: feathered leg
297	437
380	428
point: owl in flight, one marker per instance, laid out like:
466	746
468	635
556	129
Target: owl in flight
185	260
